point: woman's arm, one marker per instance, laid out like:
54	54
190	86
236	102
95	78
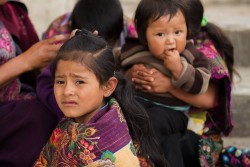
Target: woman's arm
38	56
153	81
204	100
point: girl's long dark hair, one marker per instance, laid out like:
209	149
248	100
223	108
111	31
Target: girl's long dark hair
222	42
93	52
138	122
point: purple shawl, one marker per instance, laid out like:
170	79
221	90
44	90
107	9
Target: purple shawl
104	140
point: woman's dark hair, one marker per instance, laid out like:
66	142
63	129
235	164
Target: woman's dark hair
92	51
152	10
222	43
104	16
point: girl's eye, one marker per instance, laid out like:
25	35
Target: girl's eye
79	82
59	82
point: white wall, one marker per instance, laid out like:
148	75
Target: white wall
42	12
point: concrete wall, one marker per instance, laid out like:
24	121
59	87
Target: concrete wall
42	12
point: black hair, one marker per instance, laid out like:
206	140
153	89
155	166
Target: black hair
92	51
222	43
152	10
104	16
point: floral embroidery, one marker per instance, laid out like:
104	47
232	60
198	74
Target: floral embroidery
232	156
42	161
76	144
6	44
56	137
120	115
209	151
87	157
12	91
90	131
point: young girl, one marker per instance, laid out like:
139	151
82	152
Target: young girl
101	116
162	30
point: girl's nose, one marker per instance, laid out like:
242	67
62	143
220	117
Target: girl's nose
68	89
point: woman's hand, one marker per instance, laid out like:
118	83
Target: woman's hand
160	83
41	53
148	80
37	56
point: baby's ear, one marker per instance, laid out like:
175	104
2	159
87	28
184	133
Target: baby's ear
110	86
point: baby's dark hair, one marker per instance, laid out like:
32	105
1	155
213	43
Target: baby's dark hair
93	52
222	43
152	10
104	16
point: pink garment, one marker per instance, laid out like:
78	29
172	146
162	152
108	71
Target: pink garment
17	35
219	119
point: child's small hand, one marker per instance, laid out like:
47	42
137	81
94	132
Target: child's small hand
172	61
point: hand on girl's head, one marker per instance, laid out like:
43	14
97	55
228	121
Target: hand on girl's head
74	32
96	32
41	53
58	39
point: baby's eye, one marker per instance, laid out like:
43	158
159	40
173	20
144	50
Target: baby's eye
160	34
178	32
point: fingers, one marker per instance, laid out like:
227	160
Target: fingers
57	39
171	52
73	33
140	81
143	88
144	76
96	32
138	67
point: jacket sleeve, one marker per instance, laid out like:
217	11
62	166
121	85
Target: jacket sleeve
195	75
45	91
